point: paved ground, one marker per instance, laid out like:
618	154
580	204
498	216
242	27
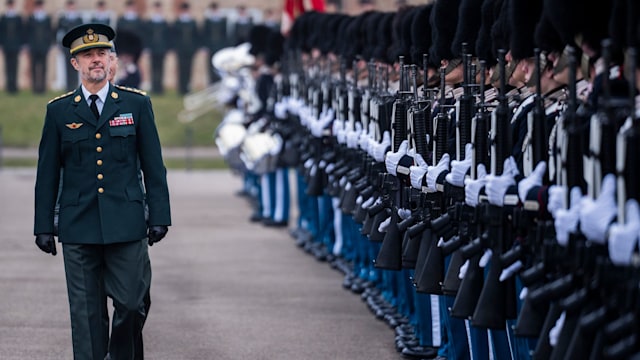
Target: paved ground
223	289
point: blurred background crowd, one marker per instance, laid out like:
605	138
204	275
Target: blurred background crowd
161	44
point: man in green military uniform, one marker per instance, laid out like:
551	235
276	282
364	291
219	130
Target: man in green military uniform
214	35
158	32
95	141
69	19
11	30
186	40
39	36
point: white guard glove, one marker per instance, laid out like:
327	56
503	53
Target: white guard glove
497	186
305	117
416	172
363	141
623	237
367	203
463	270
384	225
534	179
280	110
555	331
307	164
277	146
566	221
314	127
472	187
460	168
330	168
557	199
404	214
353	136
381	148
393	158
317	129
339	131
486	256
596	216
371	146
294	105
511	270
433	172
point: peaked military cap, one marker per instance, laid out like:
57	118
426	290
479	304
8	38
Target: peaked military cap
88	36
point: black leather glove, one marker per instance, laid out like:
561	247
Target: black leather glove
46	243
156	233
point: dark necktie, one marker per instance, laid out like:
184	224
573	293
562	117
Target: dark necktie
93	106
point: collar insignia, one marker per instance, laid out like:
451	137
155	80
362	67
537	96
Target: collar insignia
77	98
114	94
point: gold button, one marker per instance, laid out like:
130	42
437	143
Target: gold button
99	149
100	177
98	135
99	162
100	190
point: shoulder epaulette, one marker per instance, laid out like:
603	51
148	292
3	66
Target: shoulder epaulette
61	97
133	90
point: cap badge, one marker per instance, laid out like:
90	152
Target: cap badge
90	37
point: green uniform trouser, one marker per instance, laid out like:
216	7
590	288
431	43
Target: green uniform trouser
120	271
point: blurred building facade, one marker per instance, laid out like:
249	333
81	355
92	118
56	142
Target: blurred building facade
56	60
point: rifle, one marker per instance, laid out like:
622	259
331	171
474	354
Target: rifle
464	107
440	124
390	254
628	186
429	272
537	119
497	298
421	205
604	127
616	285
471	285
380	114
571	173
458	215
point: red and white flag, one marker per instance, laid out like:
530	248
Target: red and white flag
293	8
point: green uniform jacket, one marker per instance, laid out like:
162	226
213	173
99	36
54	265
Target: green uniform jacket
101	200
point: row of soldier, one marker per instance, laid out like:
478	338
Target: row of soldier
469	164
39	32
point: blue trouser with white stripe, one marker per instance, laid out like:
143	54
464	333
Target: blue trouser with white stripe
277	183
455	345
